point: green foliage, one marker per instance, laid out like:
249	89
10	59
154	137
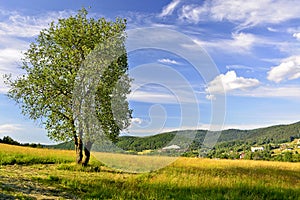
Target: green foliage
9	140
273	134
51	65
65	145
139	144
288	157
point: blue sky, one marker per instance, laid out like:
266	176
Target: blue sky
251	47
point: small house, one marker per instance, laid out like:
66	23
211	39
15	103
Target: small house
242	155
253	149
172	147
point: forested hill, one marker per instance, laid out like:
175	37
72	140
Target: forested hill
273	134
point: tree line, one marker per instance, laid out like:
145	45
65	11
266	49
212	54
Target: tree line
9	140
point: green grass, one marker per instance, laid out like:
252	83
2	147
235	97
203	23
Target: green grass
186	178
10	155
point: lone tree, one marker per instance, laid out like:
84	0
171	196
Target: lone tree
53	63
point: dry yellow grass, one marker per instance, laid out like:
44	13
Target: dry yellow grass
189	172
10	154
5	148
133	163
186	178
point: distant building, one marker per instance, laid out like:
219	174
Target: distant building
172	147
283	146
253	149
242	155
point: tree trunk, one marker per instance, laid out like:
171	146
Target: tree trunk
78	149
87	153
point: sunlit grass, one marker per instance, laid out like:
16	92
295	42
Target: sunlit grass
231	173
186	178
133	163
10	154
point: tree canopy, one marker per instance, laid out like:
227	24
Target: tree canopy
52	64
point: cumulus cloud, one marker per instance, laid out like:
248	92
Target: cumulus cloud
168	10
244	13
229	82
168	61
288	69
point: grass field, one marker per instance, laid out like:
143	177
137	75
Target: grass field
28	173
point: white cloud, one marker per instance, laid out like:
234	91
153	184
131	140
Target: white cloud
25	133
20	26
10	55
297	36
15	30
193	13
9	128
152	97
3	88
244	13
272	29
243	40
168	10
290	48
154	91
239	43
137	121
10	59
288	69
287	92
238	67
16	24
229	82
211	97
168	61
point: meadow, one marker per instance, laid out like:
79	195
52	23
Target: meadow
32	173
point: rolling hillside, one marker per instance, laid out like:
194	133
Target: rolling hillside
274	134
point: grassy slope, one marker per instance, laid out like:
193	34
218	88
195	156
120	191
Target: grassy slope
187	178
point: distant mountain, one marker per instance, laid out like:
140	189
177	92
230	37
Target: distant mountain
273	134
